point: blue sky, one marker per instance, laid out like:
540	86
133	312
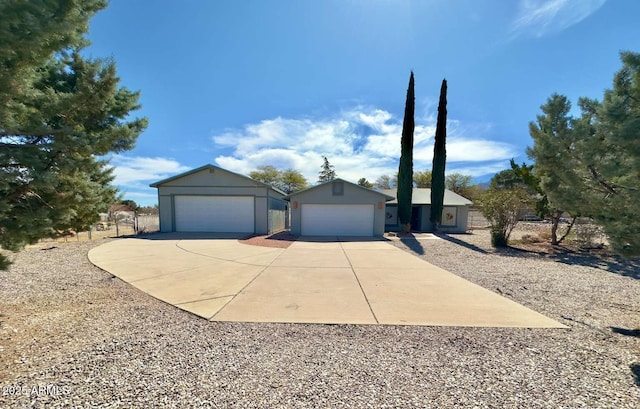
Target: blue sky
277	82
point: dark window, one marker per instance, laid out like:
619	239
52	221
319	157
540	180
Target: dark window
338	188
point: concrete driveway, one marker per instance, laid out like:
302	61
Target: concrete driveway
321	280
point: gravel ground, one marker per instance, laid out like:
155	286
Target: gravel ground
73	335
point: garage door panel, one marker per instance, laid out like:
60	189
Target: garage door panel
337	220
214	214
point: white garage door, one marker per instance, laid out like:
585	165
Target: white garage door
337	220
214	214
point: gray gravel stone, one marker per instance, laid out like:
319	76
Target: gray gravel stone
99	342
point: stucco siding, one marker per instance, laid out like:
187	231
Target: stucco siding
211	177
165	209
213	190
324	194
460	226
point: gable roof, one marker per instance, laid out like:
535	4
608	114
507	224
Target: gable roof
119	207
386	196
209	166
422	196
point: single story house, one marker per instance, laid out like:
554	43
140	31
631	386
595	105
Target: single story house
212	199
119	212
338	208
455	212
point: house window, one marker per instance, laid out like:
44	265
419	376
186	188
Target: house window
449	216
337	188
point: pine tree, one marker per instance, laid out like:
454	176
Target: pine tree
405	169
439	160
327	173
365	183
59	112
609	149
591	165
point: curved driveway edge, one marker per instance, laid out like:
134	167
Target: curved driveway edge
337	281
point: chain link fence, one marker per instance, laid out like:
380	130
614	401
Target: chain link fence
476	220
119	227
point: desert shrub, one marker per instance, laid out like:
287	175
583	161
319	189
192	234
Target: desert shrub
502	208
544	235
530	239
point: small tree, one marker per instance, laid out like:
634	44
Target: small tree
458	183
267	174
439	160
384	182
405	169
327	173
365	183
288	181
502	208
422	178
131	204
292	181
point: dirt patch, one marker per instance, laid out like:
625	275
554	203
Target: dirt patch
280	240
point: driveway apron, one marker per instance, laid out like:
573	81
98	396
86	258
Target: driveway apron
316	280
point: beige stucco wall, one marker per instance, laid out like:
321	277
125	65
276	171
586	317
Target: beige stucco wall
323	194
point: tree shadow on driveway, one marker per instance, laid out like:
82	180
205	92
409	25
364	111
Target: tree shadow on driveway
412	243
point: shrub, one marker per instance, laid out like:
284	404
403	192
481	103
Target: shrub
530	239
502	208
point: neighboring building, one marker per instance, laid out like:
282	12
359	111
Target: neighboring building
455	213
337	208
119	212
211	199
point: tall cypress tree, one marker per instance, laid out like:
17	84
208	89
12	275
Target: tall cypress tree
439	160
405	170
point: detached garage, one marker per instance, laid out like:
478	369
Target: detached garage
211	199
337	208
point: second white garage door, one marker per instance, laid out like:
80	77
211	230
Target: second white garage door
337	220
214	214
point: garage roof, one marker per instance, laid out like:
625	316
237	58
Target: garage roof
422	196
386	196
209	166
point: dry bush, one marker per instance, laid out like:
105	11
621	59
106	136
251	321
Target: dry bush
544	235
531	239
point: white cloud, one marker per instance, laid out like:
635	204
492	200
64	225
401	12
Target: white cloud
361	142
537	18
468	150
141	198
137	170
